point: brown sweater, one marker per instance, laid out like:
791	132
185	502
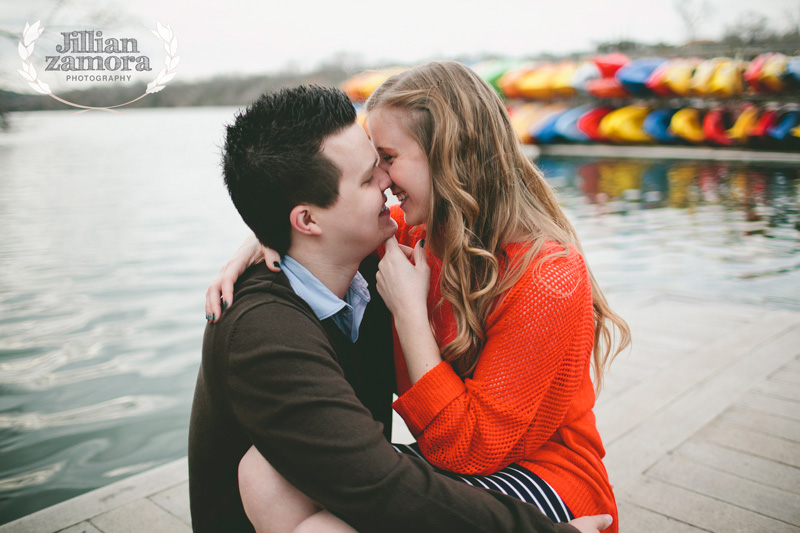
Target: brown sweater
274	376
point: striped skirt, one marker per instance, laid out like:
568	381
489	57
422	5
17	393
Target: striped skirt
513	480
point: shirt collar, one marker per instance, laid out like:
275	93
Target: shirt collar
347	313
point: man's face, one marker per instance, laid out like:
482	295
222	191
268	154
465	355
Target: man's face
359	221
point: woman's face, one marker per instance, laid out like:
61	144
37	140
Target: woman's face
404	160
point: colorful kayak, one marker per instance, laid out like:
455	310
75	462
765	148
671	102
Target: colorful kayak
634	75
508	81
545	131
540	117
788	119
606	88
701	80
758	133
609	64
536	84
361	86
716	124
625	125
792	75
492	71
656	125
561	82
566	125
586	71
657	83
678	76
522	118
726	81
740	131
772	73
686	123
589	123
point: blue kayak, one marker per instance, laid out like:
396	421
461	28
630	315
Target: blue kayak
635	74
566	125
545	131
783	127
656	125
792	74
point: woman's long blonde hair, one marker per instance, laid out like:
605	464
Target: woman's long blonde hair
485	193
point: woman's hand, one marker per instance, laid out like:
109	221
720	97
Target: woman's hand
220	293
404	285
592	524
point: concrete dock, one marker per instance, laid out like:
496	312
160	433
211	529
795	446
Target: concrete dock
700	418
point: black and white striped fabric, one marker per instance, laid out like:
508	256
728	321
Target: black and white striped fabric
513	480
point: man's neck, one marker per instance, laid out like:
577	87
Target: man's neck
335	275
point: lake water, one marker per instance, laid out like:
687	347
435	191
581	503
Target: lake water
112	227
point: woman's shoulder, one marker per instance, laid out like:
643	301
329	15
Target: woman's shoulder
556	268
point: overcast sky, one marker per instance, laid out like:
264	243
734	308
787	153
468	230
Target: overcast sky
244	36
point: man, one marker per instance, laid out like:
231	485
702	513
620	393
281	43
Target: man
289	369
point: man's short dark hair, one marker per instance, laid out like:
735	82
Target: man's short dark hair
272	160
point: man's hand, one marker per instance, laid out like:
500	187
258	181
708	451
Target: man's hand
592	524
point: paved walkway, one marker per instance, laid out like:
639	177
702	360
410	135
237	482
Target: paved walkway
701	421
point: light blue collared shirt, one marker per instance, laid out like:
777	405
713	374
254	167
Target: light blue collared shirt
347	313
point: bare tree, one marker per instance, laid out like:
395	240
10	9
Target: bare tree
692	13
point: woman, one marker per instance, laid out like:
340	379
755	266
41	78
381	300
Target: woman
497	334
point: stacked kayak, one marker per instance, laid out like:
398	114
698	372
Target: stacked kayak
612	98
748	125
359	87
616	76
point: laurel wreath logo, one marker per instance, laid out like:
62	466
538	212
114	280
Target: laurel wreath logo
165	75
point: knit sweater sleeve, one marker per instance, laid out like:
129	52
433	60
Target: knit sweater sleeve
539	339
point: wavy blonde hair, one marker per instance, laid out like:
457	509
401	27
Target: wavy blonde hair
485	194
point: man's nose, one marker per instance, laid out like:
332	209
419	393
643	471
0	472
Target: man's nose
383	179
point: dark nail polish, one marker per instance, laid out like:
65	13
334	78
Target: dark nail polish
224	305
422	243
276	264
208	316
214	316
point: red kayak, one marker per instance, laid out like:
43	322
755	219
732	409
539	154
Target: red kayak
609	64
589	123
607	88
716	124
765	122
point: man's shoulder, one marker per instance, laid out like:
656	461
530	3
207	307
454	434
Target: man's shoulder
263	295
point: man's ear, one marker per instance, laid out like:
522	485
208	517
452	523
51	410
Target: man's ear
303	220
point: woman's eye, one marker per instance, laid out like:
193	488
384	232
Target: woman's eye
388	158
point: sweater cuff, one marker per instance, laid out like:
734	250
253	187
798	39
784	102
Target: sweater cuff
429	396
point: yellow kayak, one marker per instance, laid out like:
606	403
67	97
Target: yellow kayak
772	72
508	81
679	75
740	131
522	118
687	124
561	81
727	79
361	86
701	80
536	84
625	125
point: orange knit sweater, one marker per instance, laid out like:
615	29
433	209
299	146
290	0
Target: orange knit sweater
530	398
